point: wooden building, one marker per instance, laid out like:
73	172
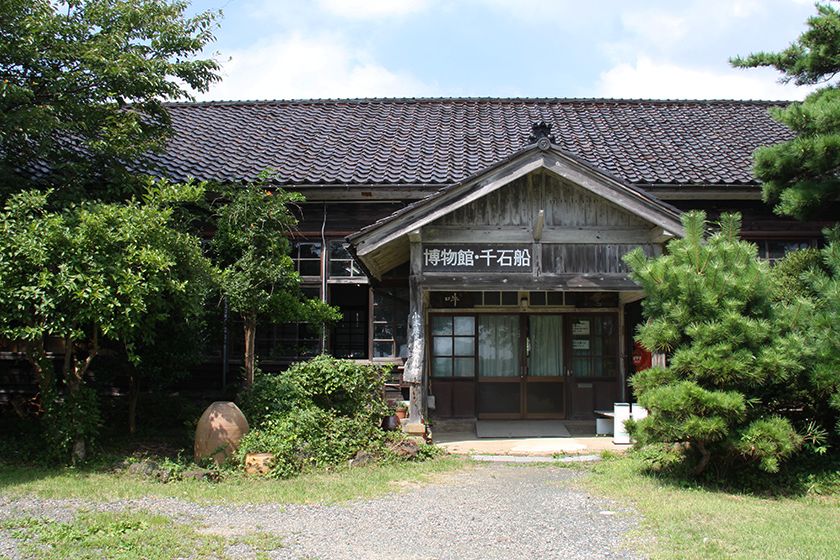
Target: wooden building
477	243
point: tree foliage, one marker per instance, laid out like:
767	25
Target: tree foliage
83	85
258	277
800	175
92	275
724	392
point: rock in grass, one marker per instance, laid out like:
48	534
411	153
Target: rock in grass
219	431
362	459
405	449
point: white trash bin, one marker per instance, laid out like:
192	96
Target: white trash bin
638	412
622	413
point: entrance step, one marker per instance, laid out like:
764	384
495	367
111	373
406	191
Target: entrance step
521	429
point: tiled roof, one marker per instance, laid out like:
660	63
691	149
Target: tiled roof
443	141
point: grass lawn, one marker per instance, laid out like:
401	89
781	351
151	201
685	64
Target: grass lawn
317	487
693	522
129	536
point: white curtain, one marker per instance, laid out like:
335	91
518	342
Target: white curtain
498	345
546	333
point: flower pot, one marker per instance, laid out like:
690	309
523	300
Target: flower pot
390	423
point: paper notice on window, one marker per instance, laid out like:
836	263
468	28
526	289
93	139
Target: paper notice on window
580	328
578	344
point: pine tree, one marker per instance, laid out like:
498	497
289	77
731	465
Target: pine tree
801	175
708	306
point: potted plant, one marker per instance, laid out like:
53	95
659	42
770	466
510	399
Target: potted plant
401	410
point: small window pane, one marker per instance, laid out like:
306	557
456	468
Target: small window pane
464	346
441	325
382	330
510	298
384	349
492	298
309	250
442	367
442	346
309	268
537	298
338	250
555	298
464	367
465	325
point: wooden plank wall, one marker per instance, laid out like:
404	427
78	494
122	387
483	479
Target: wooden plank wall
560	258
566	206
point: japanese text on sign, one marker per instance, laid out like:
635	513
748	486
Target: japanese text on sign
477	258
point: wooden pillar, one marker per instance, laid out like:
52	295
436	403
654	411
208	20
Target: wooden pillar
414	367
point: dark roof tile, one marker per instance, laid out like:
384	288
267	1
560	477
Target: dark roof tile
443	141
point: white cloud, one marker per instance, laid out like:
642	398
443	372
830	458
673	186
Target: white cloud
657	28
313	66
372	9
664	80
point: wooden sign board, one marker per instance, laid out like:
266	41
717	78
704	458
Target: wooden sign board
477	257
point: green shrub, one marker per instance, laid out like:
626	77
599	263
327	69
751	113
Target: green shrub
344	387
735	370
317	413
310	437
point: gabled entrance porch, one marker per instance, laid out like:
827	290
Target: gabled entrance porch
518	290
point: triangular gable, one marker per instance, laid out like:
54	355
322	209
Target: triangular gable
389	236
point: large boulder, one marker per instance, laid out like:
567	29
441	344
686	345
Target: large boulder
219	431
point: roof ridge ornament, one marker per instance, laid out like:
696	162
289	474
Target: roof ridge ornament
541	135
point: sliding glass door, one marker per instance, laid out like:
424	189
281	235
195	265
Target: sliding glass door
499	366
545	387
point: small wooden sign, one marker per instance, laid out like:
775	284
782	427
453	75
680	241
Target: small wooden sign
477	257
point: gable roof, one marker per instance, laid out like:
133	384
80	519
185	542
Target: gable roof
384	244
444	141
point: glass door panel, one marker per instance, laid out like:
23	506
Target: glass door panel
545	391
499	366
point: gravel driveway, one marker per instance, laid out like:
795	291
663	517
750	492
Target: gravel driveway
486	512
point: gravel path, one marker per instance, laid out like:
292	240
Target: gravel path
487	512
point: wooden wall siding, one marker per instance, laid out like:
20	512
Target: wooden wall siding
566	206
566	258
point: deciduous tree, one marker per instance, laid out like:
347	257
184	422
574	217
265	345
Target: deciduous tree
91	275
82	90
258	277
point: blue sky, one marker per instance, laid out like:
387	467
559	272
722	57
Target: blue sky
285	49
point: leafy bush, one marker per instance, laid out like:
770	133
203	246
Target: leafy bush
310	437
343	387
317	413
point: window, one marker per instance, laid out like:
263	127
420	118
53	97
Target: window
307	257
280	341
350	335
594	345
453	346
342	264
538	299
390	322
775	249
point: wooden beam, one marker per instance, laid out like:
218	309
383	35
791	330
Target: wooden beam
579	235
539	225
613	282
414	366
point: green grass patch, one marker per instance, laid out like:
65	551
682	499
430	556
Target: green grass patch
333	486
692	521
127	536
